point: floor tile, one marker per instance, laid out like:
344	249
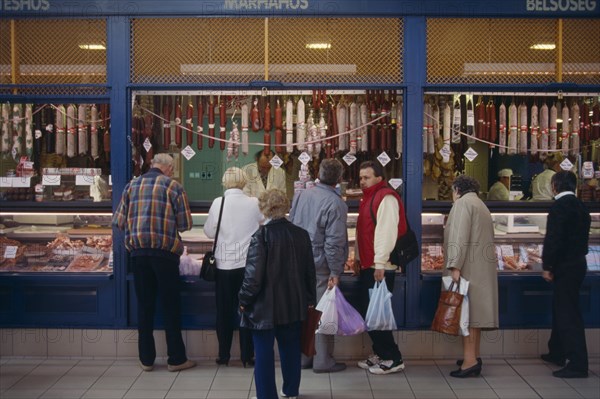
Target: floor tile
517	393
176	394
557	393
351	394
434	394
22	393
113	383
63	394
475	393
104	393
75	382
145	394
231	394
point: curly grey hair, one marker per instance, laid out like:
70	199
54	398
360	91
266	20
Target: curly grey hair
465	184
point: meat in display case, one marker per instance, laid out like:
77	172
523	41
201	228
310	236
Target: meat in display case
55	243
518	240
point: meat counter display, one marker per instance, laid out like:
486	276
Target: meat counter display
71	243
518	242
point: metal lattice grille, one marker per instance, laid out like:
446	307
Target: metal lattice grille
352	50
196	50
581	51
211	50
490	51
54	52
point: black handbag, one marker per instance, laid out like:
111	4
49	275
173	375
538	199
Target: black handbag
406	248
208	271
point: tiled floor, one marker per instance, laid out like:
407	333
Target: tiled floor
86	378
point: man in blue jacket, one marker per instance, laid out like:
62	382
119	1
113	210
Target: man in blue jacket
323	213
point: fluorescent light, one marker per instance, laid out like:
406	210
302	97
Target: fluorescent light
55	70
543	46
274	69
92	47
318	46
522	68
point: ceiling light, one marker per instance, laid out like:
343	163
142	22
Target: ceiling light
92	47
543	46
318	46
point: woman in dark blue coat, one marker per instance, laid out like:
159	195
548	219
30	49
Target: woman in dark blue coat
278	288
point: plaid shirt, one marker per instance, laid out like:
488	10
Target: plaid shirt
153	210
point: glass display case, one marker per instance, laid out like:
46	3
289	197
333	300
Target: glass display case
518	239
56	243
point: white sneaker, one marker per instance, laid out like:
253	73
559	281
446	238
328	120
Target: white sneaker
286	396
387	367
371	361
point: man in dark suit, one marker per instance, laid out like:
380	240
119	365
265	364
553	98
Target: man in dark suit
564	263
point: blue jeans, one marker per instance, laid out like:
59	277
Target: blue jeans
288	342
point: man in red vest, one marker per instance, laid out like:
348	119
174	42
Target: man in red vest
381	220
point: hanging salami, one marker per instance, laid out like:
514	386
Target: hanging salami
148	135
289	126
167	123
94	131
136	156
189	123
564	135
233	144
29	130
222	122
595	126
5	128
456	136
245	126
106	129
470	122
394	124
333	129
71	131
38	137
523	129
502	129
279	147
512	129
481	126
353	125
553	128
364	131
535	128
342	115
211	122
574	149
427	130
385	137
373	131
200	122
255	117
544	132
312	133
178	122
61	140
584	126
491	122
300	124
82	133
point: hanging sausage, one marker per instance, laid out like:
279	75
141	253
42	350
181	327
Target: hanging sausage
513	128
167	123
136	156
584	126
234	142
94	131
446	128
535	128
245	126
255	117
395	124
502	129
178	122
470	121
61	140
322	131
523	128
267	126
279	147
49	132
71	130
29	130
544	119
353	125
456	136
312	132
553	127
373	133
189	123
491	122
5	128
574	149
300	124
480	123
200	122
148	135
38	138
289	126
342	115
564	135
222	122
106	129
82	133
384	121
364	131
595	129
211	122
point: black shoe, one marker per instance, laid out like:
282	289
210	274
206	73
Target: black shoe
471	371
461	361
222	362
547	357
333	369
566	372
307	366
248	363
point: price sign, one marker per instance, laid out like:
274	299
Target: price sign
566	164
188	152
10	252
51	180
471	154
384	158
276	162
84	180
349	159
395	183
435	250
304	158
507	250
147	144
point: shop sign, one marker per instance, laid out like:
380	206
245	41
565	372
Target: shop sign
561	5
266	5
24	5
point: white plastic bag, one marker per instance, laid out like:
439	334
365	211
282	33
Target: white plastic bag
329	317
464	310
380	315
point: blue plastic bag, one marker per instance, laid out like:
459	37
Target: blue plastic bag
380	315
350	322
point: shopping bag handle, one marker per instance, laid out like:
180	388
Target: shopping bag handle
452	286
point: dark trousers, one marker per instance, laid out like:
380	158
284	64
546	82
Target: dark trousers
567	340
158	277
228	285
384	344
288	342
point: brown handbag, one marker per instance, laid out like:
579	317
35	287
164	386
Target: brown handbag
309	326
447	315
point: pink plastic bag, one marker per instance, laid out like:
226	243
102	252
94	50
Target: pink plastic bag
350	322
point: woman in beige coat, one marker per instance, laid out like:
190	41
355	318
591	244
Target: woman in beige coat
470	252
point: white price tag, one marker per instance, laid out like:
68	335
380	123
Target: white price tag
51	180
27	165
384	158
21	182
304	158
84	180
471	154
445	153
470	118
38	133
11	252
276	162
349	159
5	182
147	144
395	183
110	180
507	250
566	164
435	250
188	152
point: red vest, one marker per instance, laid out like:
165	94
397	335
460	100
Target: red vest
365	227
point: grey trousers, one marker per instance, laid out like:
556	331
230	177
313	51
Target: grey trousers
324	344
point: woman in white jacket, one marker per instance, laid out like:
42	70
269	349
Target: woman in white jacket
241	218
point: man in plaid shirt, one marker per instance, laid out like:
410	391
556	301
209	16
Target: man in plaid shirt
153	210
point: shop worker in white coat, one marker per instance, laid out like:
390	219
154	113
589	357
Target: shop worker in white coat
323	213
262	176
241	218
500	190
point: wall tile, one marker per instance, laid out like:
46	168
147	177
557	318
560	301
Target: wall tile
415	344
64	342
520	343
30	342
99	343
6	341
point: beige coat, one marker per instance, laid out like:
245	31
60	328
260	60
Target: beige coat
469	247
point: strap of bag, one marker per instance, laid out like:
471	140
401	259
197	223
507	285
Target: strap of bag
375	219
218	224
451	287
